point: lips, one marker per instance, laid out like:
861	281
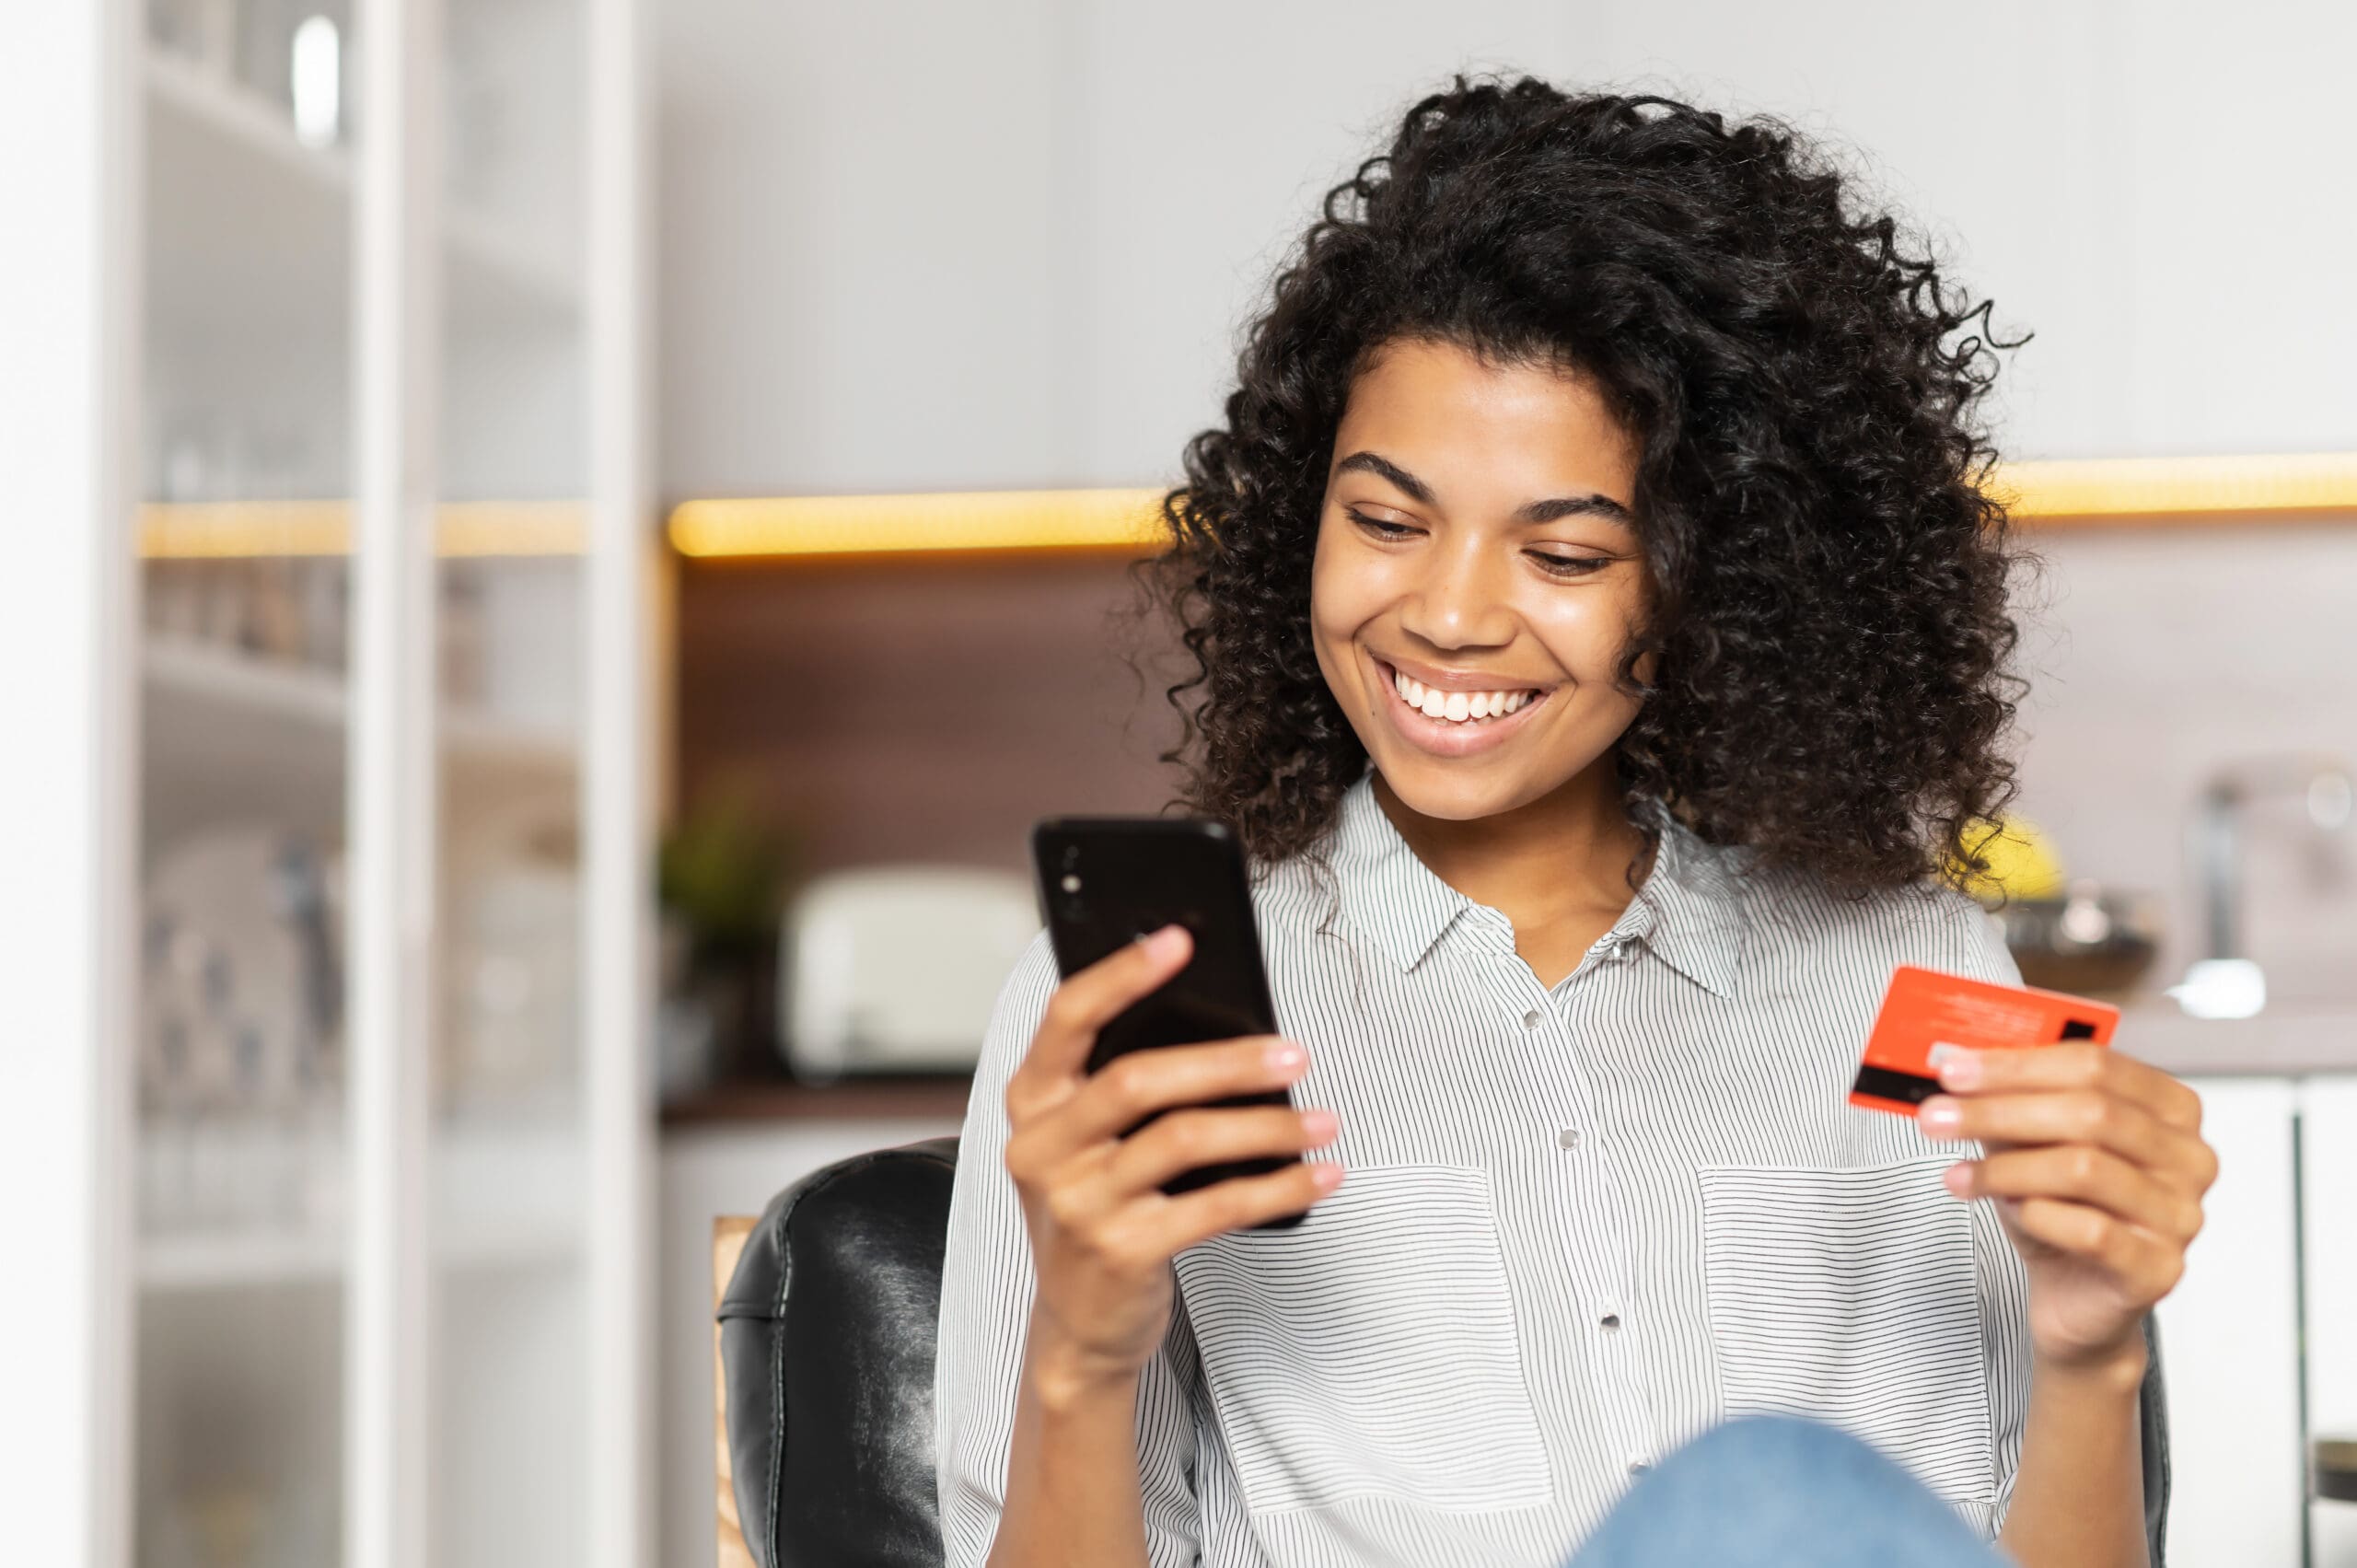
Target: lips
1455	738
1459	706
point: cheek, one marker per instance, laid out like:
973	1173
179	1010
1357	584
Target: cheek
1344	593
1587	633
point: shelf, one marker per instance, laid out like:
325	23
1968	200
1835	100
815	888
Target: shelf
250	228
250	1260
504	1198
227	1258
927	1097
232	737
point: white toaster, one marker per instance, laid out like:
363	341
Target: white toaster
894	968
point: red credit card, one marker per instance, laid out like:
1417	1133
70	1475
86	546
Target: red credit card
1925	1007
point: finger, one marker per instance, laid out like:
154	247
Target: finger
1185	1139
1108	1104
2002	1123
2081	1173
1129	1090
1085	1003
2098	1067
2053	1117
2146	1266
1164	1227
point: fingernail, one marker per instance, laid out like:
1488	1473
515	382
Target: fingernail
1319	1123
1287	1057
1326	1173
1939	1114
1165	944
1958	1066
1958	1179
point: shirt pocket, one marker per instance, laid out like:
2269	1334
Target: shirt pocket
1371	1349
1852	1296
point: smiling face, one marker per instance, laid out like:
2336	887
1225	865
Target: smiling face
1478	577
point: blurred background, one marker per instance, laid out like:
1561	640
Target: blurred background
566	542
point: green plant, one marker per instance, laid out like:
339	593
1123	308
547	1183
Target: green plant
724	869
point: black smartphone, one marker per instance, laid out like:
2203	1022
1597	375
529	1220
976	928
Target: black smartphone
1105	881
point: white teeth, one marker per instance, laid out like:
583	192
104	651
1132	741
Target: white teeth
1460	707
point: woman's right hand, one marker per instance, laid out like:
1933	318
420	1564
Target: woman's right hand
1102	1231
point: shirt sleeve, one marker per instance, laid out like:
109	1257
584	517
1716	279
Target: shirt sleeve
986	1292
2004	1284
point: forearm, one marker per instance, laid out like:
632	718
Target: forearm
2079	1495
1071	1472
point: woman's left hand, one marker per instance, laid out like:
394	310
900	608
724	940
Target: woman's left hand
2098	1167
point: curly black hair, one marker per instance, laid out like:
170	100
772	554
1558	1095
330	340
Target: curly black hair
1829	576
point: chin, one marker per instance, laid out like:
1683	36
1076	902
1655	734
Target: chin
1451	792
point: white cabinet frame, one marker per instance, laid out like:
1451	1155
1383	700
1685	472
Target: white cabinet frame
71	106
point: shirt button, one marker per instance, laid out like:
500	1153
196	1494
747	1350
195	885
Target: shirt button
1569	1138
1610	1317
1532	1019
1639	1466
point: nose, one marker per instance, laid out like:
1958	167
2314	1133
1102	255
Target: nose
1460	602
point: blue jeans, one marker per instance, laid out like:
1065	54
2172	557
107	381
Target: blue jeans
1775	1491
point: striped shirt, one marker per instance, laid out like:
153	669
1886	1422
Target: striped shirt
1579	1224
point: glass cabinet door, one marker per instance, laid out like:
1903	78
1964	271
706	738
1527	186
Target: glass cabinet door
509	1149
379	550
239	1189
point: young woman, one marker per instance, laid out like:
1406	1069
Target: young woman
1601	628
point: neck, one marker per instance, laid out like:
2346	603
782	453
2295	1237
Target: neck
1564	854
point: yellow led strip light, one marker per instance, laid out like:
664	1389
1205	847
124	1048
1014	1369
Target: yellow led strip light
2180	490
219	529
973	520
2116	491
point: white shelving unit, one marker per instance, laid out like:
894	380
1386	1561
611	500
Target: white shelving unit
532	1178
352	1120
211	712
212	141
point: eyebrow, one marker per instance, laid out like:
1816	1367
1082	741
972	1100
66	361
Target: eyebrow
1545	511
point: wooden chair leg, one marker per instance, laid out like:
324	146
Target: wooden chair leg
728	1234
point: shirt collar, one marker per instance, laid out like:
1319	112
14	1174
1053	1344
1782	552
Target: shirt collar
1689	913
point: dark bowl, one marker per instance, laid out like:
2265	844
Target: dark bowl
2094	941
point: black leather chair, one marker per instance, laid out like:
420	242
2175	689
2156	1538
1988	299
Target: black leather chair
827	1335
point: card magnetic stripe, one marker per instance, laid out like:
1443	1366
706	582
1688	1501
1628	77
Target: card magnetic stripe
1908	1089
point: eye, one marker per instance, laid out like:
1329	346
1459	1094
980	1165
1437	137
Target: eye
1570	566
1377	526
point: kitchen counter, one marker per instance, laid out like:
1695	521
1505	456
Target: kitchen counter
2292	1040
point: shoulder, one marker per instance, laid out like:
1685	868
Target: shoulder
1297	896
1022	1003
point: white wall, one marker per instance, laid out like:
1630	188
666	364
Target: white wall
912	245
